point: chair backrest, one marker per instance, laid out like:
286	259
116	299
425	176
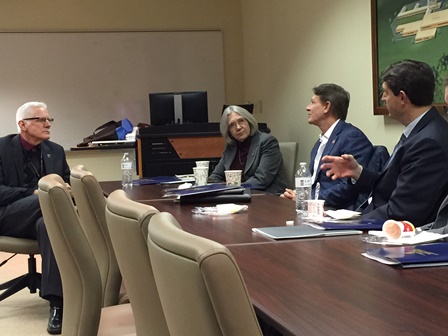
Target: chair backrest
378	159
289	152
248	107
200	285
91	205
80	277
127	221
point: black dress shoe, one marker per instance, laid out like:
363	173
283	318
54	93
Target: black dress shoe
55	321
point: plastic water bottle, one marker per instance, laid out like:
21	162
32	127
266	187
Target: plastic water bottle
303	189
126	171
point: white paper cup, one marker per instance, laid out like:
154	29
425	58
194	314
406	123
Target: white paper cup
200	175
202	164
315	209
395	230
233	177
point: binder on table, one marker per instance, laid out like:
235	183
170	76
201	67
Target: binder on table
301	231
211	193
425	255
356	224
237	195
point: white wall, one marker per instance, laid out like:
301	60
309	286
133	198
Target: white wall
134	15
291	46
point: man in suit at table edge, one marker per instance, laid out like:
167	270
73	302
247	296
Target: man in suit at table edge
440	225
414	182
24	159
328	110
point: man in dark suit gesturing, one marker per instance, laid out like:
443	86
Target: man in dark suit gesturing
24	159
414	181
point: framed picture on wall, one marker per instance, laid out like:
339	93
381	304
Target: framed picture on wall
406	29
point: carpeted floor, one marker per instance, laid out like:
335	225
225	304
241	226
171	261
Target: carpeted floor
22	314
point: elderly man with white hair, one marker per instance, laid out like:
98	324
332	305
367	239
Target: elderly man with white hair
24	159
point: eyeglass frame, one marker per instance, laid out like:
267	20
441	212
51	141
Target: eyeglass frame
236	123
40	119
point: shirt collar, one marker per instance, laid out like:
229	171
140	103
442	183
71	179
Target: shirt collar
26	145
407	131
324	138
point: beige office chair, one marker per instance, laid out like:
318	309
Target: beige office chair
289	152
30	280
200	285
127	221
81	280
91	205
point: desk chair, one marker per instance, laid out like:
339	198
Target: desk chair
91	205
32	279
378	159
248	107
127	221
200	285
289	152
81	280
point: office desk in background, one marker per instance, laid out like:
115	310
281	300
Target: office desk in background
317	286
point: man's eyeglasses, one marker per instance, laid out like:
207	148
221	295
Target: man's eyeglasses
41	120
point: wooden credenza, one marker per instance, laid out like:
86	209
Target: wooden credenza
174	149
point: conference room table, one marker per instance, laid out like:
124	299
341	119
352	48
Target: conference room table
231	229
316	286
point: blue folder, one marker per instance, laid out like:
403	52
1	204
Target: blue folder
361	224
424	255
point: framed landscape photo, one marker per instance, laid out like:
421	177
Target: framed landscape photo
406	29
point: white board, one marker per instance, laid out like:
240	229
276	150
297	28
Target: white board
88	78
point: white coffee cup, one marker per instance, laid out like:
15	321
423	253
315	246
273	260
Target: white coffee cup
315	209
200	175
202	164
233	177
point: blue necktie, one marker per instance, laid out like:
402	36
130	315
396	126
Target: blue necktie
397	146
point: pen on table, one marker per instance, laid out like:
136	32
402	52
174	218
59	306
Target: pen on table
316	192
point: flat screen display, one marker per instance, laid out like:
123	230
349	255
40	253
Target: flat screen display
178	107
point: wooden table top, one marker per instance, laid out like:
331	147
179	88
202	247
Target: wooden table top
317	286
326	287
231	229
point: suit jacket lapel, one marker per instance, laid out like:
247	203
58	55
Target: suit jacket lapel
252	150
17	157
47	158
333	138
313	156
431	114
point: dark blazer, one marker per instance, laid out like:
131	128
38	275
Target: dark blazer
415	183
12	169
264	165
345	139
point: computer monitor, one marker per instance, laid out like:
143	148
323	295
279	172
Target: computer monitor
178	107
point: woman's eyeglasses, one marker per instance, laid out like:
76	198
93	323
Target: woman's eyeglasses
236	123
